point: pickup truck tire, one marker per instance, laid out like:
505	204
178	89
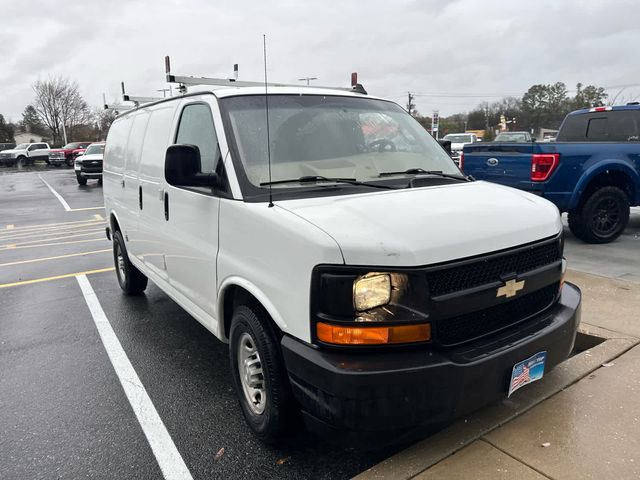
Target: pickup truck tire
81	180
21	161
259	374
69	161
132	281
602	217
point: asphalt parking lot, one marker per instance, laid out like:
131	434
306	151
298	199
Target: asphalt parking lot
64	412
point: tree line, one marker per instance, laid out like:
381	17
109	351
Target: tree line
542	106
58	108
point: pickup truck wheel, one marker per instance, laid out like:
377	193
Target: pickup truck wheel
602	217
21	161
259	375
81	180
69	161
132	281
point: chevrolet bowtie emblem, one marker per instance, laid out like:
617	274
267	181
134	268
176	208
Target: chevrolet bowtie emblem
510	288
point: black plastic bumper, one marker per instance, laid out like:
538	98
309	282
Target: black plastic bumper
393	391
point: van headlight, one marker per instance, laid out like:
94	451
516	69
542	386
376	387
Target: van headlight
371	290
369	307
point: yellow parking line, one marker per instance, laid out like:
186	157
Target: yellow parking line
57	277
97	216
15	245
9	227
44	259
53	224
43	230
49	233
55	243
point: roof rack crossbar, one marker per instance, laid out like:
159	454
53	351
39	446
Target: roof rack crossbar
233	82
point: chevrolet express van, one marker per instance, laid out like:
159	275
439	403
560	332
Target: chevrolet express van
357	275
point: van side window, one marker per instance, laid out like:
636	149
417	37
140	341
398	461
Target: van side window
196	128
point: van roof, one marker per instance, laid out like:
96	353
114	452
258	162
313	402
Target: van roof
225	92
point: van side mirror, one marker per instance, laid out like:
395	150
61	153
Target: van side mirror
182	168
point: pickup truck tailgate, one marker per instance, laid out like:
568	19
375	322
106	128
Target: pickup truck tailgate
505	163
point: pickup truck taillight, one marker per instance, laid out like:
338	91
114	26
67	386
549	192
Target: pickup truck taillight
543	165
461	166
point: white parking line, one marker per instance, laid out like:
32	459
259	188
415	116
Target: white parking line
165	451
58	196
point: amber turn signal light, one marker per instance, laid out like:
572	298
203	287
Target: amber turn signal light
366	335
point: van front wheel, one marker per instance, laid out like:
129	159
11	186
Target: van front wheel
259	374
132	281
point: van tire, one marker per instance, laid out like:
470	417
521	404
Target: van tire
602	217
251	324
132	281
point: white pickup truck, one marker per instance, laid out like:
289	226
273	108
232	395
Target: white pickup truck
357	275
25	154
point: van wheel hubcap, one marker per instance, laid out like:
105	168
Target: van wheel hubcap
250	372
120	259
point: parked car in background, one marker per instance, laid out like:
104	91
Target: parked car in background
591	171
25	154
458	141
6	146
515	137
88	165
67	154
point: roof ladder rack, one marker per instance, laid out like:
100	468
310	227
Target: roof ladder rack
137	100
234	82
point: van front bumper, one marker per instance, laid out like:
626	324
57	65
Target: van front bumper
417	388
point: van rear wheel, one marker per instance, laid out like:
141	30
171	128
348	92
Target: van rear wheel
132	281
602	217
259	374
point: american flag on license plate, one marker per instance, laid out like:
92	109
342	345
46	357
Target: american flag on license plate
521	378
527	371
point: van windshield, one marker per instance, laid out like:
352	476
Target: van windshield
328	136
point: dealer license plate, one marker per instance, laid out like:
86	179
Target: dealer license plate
527	371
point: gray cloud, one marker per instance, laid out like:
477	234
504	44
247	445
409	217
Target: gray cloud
427	46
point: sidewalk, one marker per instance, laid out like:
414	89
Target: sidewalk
588	428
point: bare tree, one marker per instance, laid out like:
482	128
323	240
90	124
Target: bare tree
48	103
58	102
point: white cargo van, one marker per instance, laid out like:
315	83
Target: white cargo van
358	276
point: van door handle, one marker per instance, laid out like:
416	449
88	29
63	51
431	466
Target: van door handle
140	196
166	206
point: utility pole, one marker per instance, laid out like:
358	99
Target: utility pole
411	107
64	132
307	79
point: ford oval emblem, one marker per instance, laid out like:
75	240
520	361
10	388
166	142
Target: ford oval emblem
492	162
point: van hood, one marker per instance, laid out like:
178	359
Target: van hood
422	226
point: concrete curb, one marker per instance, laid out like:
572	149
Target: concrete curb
428	452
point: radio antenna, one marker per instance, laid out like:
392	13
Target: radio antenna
266	107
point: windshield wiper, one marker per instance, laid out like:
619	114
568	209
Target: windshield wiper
320	178
421	171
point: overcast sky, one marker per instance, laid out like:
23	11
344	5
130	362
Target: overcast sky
453	49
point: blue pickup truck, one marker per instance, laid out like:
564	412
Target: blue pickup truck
592	171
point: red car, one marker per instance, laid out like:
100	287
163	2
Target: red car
68	153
